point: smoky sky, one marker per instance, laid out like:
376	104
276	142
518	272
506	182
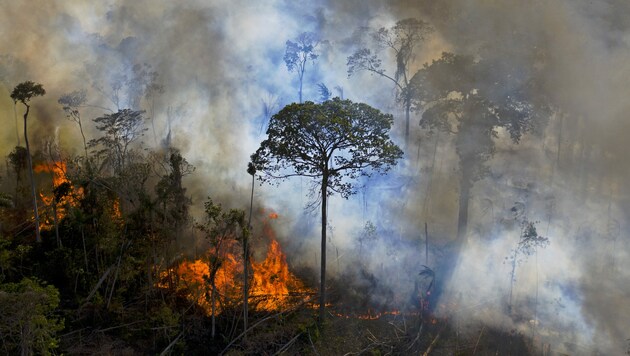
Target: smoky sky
220	62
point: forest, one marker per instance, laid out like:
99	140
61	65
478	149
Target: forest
314	178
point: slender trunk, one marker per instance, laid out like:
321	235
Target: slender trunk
111	293
212	299
407	120
246	260
38	237
512	274
300	91
153	119
302	69
426	244
462	218
56	220
84	249
558	151
83	136
17	125
322	287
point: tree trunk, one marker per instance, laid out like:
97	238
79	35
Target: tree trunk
212	300
322	287
462	218
84	141
246	260
302	69
56	220
38	237
512	275
407	120
17	126
84	249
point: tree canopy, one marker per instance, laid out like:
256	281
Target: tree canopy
337	138
24	91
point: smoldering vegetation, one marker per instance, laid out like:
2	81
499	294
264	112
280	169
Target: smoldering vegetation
210	75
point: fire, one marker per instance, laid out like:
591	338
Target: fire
59	177
272	285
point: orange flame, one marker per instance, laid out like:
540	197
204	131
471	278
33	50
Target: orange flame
59	177
272	283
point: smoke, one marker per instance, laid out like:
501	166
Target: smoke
219	62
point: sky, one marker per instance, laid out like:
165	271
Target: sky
221	61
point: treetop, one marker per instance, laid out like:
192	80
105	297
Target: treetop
337	139
24	91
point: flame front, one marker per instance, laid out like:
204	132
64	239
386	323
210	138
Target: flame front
272	284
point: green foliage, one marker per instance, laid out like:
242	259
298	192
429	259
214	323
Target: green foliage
220	225
338	139
169	189
25	91
27	321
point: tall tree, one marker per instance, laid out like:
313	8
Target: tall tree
335	143
251	170
299	53
402	40
461	96
23	93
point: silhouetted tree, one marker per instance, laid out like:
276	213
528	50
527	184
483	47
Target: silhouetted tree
334	142
461	96
402	40
23	93
298	54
